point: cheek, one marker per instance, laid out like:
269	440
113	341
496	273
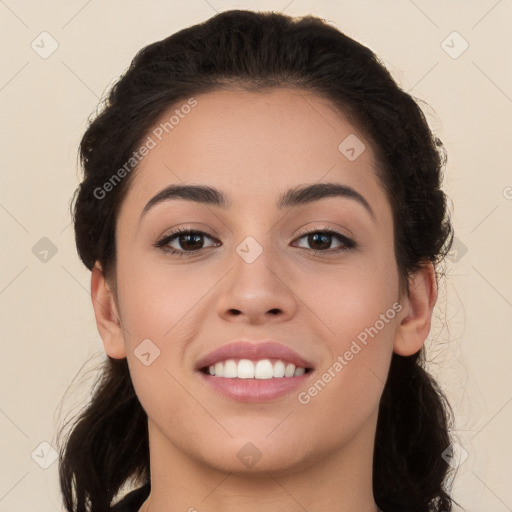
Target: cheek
349	384
362	327
159	313
350	299
156	299
358	311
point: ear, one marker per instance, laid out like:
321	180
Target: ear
107	316
418	307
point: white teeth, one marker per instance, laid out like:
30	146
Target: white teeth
264	369
230	369
278	369
289	370
247	369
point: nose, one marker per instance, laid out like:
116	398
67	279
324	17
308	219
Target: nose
257	290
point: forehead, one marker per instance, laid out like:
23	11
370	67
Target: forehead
254	145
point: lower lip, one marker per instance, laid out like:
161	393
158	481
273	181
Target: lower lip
255	390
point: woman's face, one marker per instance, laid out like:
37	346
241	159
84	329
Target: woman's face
250	273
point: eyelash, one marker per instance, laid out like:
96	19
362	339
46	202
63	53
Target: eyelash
162	243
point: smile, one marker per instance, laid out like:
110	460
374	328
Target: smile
263	369
254	372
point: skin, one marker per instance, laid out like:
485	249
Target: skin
253	147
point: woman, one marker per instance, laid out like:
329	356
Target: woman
263	219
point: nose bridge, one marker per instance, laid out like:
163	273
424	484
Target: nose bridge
256	262
253	240
255	288
250	249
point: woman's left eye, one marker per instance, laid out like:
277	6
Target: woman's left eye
192	241
324	236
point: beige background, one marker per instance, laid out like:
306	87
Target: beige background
48	328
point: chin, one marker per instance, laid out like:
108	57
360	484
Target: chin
246	456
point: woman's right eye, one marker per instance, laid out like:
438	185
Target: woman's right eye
183	238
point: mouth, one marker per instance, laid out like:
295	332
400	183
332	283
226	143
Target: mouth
263	369
254	372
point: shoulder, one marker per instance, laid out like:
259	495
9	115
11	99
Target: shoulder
133	500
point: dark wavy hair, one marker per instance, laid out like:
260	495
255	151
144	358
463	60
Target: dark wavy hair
254	51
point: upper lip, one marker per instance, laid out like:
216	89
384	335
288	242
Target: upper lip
255	351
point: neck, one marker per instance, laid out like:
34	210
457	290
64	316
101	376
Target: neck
339	482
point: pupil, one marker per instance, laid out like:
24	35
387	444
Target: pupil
324	236
195	237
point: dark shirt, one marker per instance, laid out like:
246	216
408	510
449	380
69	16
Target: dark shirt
133	500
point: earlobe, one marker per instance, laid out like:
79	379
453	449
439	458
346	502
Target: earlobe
415	326
107	317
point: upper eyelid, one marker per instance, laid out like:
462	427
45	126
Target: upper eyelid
326	229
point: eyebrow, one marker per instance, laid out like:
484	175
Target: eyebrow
298	196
